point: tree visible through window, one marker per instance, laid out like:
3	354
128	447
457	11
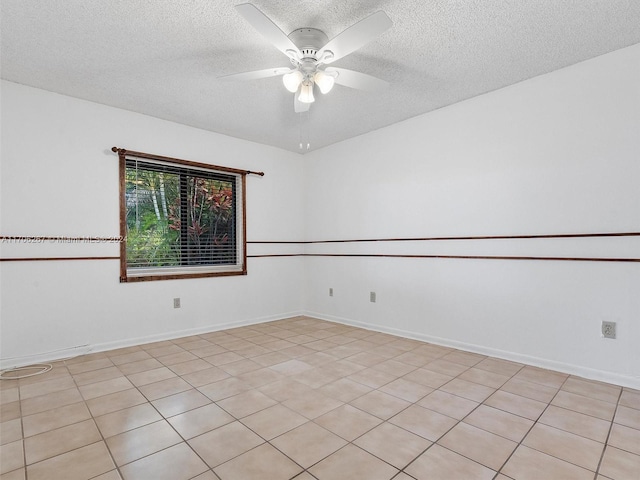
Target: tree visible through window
181	221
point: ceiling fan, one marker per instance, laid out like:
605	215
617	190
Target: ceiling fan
310	51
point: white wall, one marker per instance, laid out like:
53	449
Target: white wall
59	178
559	153
556	154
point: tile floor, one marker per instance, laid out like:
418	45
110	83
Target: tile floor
307	399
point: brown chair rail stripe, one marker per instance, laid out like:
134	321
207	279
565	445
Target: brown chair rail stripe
37	239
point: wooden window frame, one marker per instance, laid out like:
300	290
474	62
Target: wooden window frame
239	268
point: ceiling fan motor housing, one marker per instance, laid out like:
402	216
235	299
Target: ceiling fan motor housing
309	41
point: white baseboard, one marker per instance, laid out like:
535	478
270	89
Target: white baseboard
75	351
589	373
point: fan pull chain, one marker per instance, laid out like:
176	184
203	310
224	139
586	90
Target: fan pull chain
304	125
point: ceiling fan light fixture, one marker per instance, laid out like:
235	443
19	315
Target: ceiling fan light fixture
306	92
292	80
324	81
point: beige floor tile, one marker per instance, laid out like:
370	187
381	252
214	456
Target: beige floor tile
565	446
484	377
380	404
180	402
516	404
315	378
445	367
285	389
208	475
55	418
529	464
19	474
115	401
224	443
352	462
94	376
165	350
625	438
222	358
10	431
98	389
190	366
499	422
439	463
586	405
80	464
348	422
426	423
464	358
271	358
258	378
209	351
406	390
345	390
428	378
574	422
246	403
417	359
591	389
50	401
367	359
205	377
629	417
541	376
240	367
258	464
112	475
291	367
200	420
97	364
134	444
448	404
150	376
312	404
479	445
530	390
619	465
181	357
178	462
503	367
127	419
45	387
393	444
372	378
11	456
468	390
394	368
273	421
308	444
630	399
61	440
9	411
139	366
134	356
164	388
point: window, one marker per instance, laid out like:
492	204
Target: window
180	219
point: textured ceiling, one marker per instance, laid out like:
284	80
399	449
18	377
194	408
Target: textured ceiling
163	58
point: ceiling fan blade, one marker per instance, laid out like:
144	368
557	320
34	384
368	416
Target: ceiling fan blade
267	28
361	81
298	106
356	36
257	74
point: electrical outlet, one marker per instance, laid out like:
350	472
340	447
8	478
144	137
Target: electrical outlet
331	292
609	330
176	303
372	297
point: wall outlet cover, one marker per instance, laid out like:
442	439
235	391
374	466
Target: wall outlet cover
609	329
